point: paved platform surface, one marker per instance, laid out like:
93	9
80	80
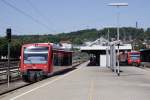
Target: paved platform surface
89	83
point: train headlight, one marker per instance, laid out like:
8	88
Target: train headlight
34	67
45	66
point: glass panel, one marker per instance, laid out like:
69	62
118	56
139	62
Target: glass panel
36	55
135	56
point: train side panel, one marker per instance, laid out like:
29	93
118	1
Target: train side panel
61	60
145	57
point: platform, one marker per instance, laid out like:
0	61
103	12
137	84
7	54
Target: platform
89	83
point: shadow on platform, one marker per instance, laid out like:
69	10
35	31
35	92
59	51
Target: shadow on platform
131	74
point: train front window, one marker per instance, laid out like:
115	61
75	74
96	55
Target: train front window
135	56
36	55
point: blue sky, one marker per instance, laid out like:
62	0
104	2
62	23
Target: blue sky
70	15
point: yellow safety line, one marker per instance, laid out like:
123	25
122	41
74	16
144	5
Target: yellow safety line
91	90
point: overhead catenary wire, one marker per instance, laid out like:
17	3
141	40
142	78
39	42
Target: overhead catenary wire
26	14
16	30
35	8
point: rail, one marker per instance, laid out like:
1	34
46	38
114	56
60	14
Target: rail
14	69
4	66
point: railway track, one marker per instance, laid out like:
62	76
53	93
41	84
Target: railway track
4	65
17	83
14	69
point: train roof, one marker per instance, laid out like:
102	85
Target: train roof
54	46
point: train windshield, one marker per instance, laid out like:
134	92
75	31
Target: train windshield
36	55
135	56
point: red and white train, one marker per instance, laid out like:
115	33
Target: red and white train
134	58
39	60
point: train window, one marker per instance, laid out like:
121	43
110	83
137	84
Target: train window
36	55
55	59
35	49
135	56
35	58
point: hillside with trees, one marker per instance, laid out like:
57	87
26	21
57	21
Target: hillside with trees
128	34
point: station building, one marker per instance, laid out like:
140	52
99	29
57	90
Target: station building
101	51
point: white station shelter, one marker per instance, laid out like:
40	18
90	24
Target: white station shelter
101	50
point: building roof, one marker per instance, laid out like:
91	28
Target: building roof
100	47
102	44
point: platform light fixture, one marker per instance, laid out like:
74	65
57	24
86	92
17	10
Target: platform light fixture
118	32
118	4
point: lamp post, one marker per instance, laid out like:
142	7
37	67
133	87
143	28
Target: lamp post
118	32
107	52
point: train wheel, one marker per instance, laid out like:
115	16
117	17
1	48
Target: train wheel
118	74
31	76
37	76
25	78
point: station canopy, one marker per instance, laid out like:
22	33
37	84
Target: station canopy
100	45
